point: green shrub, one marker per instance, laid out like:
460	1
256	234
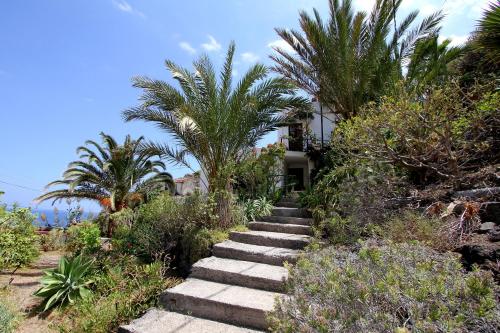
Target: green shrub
124	289
8	320
258	175
83	238
65	284
54	240
388	288
257	208
413	226
18	240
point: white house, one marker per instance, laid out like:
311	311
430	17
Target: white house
298	138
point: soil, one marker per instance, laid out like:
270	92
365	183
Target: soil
20	288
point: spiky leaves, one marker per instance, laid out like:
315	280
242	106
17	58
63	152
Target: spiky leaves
353	57
65	284
211	118
114	175
488	34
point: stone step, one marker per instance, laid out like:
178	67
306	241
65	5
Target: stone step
289	204
290	212
255	253
242	273
287	220
222	302
280	227
273	239
162	321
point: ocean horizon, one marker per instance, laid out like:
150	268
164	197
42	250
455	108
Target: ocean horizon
60	218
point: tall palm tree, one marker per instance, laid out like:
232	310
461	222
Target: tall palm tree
429	63
211	120
353	57
488	33
116	176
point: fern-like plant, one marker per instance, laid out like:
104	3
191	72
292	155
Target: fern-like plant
67	283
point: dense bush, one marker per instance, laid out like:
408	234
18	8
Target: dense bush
123	290
391	288
83	237
54	240
18	240
180	228
258	174
435	138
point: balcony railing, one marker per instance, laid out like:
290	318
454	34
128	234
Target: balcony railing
303	144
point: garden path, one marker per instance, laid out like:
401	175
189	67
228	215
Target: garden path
21	286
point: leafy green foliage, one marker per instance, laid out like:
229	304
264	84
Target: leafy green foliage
116	176
18	240
436	138
180	228
214	121
123	290
488	34
8	320
258	174
67	283
388	288
54	240
83	238
351	58
257	208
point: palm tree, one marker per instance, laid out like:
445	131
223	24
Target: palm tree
352	58
488	34
429	63
212	121
116	176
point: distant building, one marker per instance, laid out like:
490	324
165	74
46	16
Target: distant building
187	184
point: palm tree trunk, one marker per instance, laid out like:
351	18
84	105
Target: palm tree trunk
223	204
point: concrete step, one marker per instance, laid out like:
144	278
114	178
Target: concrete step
222	302
255	253
287	220
289	204
290	212
162	321
273	239
280	227
241	273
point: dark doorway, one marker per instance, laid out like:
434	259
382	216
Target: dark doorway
296	176
295	137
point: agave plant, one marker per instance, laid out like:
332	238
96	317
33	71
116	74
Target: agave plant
116	176
257	208
65	284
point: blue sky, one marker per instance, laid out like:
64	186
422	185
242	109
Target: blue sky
65	66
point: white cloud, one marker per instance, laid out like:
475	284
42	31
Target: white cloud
234	73
187	47
249	57
212	45
455	40
364	5
281	44
124	6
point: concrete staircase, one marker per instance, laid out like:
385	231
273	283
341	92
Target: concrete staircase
233	290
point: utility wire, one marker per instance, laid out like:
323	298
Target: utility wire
21	186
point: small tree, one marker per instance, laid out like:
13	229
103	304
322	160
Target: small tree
212	121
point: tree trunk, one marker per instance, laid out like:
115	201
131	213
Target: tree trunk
223	207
